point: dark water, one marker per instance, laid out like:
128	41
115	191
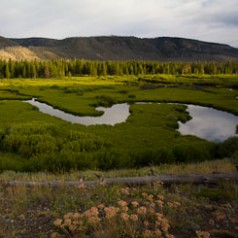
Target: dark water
206	123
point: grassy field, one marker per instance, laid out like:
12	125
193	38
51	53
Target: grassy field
30	139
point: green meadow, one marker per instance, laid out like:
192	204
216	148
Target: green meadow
37	147
32	141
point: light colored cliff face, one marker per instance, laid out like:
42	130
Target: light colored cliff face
17	53
22	53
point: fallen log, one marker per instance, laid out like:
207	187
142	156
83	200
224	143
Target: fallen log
165	179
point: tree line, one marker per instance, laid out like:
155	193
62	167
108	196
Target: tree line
77	67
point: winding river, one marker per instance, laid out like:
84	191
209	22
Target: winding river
118	113
206	123
209	123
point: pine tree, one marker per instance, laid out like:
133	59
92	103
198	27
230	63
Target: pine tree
7	72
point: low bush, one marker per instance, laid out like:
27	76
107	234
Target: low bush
227	148
143	217
75	141
110	159
149	157
193	152
214	194
76	90
30	139
104	101
43	147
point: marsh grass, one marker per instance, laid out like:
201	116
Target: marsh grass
146	142
147	138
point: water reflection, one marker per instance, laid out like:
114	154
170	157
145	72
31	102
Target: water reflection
209	123
118	113
206	123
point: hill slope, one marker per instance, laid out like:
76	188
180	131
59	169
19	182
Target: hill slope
116	48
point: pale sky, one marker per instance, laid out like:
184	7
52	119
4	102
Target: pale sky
206	20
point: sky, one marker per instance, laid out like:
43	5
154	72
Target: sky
206	20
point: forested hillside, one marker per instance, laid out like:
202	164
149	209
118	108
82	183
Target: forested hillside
62	68
116	48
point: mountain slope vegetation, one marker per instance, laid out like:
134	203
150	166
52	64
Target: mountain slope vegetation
116	48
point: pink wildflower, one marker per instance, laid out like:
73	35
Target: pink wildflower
133	217
58	222
134	203
124	216
111	212
141	210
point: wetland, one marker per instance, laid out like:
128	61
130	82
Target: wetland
115	122
207	123
36	145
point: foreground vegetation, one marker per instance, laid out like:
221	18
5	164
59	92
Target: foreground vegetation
118	211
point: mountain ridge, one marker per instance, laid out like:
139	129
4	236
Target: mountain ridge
116	48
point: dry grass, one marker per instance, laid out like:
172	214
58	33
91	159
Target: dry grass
118	211
105	211
217	166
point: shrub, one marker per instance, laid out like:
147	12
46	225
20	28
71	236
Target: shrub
227	148
108	159
193	152
123	91
58	162
131	96
76	141
85	161
48	148
29	145
33	128
152	157
29	139
143	158
13	162
213	194
143	217
77	91
104	101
